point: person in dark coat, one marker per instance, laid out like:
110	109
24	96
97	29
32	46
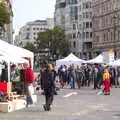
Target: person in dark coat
48	86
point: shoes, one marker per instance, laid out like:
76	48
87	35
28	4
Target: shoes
106	93
55	93
46	108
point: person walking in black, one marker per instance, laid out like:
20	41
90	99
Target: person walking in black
48	85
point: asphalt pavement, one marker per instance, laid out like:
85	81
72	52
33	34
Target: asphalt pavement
83	104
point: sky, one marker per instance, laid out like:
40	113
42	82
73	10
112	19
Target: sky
30	10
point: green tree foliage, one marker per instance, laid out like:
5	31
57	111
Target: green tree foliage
4	15
30	46
54	40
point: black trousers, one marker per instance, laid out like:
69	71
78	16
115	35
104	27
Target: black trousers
49	97
95	83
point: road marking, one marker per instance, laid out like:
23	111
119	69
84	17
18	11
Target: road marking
70	94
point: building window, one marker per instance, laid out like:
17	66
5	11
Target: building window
74	12
87	24
87	15
74	36
91	35
80	17
90	14
74	44
74	27
79	8
72	2
84	25
104	37
28	36
80	26
28	29
83	35
84	15
34	33
87	5
111	36
79	35
90	24
87	35
33	28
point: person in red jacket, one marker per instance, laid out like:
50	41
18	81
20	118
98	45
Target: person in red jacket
29	80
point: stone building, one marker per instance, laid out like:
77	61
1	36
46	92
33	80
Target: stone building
29	32
75	17
106	26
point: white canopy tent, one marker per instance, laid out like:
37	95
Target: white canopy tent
70	59
13	60
14	50
7	49
98	59
15	54
115	63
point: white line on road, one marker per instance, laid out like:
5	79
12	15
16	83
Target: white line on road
70	94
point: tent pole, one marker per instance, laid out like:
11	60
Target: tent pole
8	71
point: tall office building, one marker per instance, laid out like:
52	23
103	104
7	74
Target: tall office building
29	32
75	17
106	26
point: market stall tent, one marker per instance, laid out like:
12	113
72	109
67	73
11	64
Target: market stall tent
70	59
98	59
14	50
13	60
7	49
115	63
14	53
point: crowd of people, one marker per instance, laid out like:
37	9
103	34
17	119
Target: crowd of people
98	76
86	75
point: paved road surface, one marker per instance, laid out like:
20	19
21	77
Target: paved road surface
76	104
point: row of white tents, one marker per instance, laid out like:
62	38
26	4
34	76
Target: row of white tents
72	59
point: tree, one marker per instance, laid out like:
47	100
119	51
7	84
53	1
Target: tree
54	40
4	15
31	47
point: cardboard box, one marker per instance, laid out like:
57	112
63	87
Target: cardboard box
11	106
6	106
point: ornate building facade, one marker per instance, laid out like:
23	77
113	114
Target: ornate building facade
106	26
75	17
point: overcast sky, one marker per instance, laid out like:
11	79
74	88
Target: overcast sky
30	10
